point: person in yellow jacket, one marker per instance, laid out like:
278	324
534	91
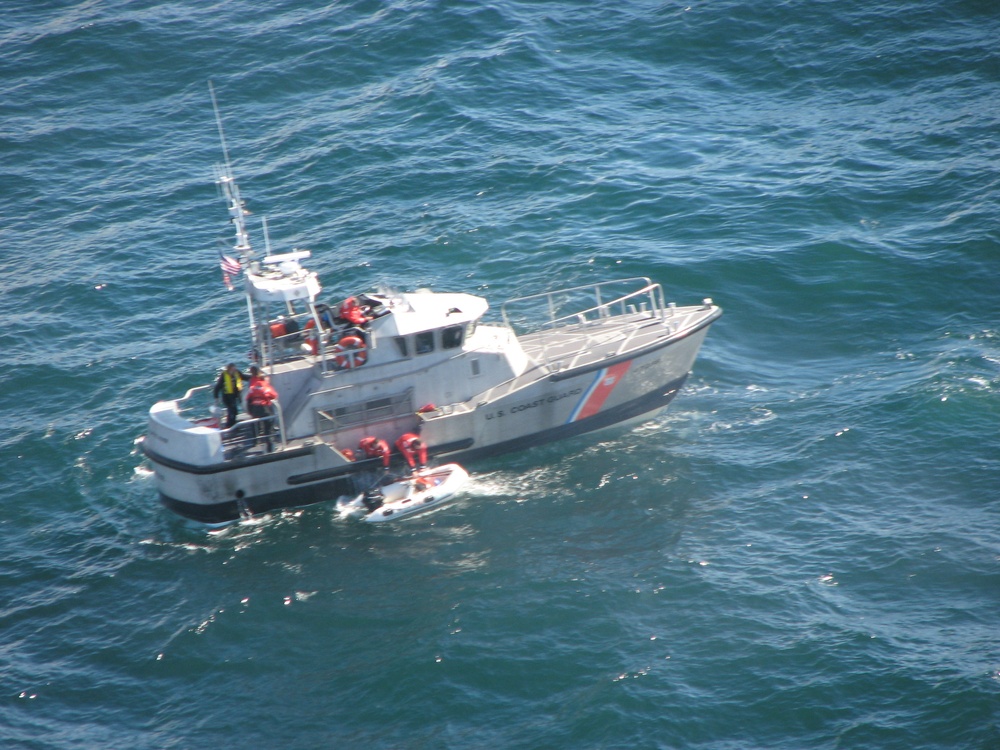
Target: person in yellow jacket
229	386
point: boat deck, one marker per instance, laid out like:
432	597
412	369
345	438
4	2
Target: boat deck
593	342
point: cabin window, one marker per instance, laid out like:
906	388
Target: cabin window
474	363
401	345
425	342
451	337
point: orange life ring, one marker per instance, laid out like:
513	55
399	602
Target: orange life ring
350	352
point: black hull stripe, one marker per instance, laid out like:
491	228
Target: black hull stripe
291	498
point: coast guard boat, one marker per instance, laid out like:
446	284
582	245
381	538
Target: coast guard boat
387	362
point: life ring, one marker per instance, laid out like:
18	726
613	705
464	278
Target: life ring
350	352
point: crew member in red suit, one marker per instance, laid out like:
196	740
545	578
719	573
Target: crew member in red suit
413	450
260	396
375	448
351	311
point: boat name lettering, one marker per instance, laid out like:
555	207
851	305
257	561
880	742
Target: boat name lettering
532	404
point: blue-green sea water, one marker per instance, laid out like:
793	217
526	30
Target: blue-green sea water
803	552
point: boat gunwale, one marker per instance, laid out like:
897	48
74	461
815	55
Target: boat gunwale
229	464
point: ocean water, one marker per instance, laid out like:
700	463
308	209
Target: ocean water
803	552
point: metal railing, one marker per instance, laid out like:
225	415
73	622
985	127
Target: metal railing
364	413
249	433
567	325
244	434
591	307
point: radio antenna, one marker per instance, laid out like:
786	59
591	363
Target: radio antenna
231	191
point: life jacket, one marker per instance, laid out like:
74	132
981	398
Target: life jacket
411	453
231	383
260	392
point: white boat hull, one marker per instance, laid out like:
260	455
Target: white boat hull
424	490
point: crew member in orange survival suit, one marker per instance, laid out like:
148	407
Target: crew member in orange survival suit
375	448
413	450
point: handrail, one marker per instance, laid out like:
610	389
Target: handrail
647	300
653	290
191	391
278	416
235	440
581	316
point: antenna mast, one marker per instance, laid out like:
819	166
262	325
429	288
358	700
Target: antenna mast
231	191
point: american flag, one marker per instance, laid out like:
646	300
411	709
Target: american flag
230	267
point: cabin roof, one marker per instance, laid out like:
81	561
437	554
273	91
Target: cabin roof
426	311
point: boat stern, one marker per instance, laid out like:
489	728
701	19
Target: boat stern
173	437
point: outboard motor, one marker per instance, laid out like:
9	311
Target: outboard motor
373	499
